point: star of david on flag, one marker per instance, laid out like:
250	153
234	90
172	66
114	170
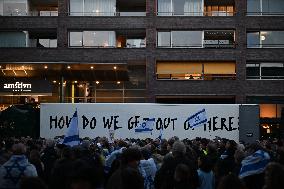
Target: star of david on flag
146	126
71	137
197	119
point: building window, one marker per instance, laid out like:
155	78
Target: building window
13	7
219	10
196	71
180	7
265	39
265	7
265	70
13	39
196	39
92	39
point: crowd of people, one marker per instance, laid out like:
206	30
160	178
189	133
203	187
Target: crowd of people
141	164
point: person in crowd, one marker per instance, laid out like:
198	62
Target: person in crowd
231	181
149	166
205	173
48	157
32	183
15	168
128	175
182	177
164	178
274	176
226	163
36	161
253	166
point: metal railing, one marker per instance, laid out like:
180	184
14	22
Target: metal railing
211	13
31	13
218	45
107	13
201	77
265	13
259	46
272	77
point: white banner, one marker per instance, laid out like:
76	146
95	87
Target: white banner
182	120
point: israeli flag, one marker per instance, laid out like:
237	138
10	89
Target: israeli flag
197	119
146	126
72	135
161	134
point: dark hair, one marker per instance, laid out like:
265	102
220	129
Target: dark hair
231	181
274	176
129	155
131	179
206	163
32	182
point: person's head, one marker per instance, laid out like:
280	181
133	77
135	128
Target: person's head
131	178
178	149
19	149
231	181
274	176
34	154
131	157
32	182
204	163
182	173
231	144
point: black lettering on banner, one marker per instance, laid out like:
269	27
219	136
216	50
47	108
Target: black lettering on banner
215	123
186	125
133	124
173	120
107	122
85	121
231	123
167	122
159	124
93	123
68	121
61	122
52	121
223	123
116	122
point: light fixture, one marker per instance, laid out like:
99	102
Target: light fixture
97	82
75	81
25	72
114	67
45	67
262	37
0	67
118	82
97	11
92	67
54	81
69	67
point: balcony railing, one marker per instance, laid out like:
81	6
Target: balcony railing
32	13
272	77
212	13
107	13
201	76
265	13
217	44
265	46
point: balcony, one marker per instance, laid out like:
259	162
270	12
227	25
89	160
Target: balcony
196	39
107	8
195	8
28	39
28	8
107	39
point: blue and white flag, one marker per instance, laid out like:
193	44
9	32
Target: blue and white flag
145	126
254	164
71	137
197	119
160	135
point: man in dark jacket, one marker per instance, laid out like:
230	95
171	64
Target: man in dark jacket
165	176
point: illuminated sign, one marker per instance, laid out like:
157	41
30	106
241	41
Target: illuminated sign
25	86
18	86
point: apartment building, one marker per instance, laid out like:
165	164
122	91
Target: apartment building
135	51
